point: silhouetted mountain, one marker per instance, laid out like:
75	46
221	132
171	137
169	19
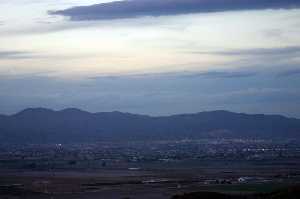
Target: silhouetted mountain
39	125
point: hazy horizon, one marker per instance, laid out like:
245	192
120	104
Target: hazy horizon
151	115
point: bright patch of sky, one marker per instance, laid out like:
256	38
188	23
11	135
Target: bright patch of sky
147	44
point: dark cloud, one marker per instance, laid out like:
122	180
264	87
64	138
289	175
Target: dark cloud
223	74
15	55
183	74
292	72
265	51
139	8
256	51
38	55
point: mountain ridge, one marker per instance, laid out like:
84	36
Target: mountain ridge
41	125
170	115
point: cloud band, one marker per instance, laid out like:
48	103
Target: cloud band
140	8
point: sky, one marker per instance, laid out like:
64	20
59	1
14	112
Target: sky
156	57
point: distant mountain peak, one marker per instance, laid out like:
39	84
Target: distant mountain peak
34	111
73	110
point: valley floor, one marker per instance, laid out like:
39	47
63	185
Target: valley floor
150	181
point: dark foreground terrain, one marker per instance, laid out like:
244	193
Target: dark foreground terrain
288	193
124	184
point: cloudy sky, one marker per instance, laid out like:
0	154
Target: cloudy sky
155	57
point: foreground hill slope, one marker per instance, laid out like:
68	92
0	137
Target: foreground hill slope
39	125
288	193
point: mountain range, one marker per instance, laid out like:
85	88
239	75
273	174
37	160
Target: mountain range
40	125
